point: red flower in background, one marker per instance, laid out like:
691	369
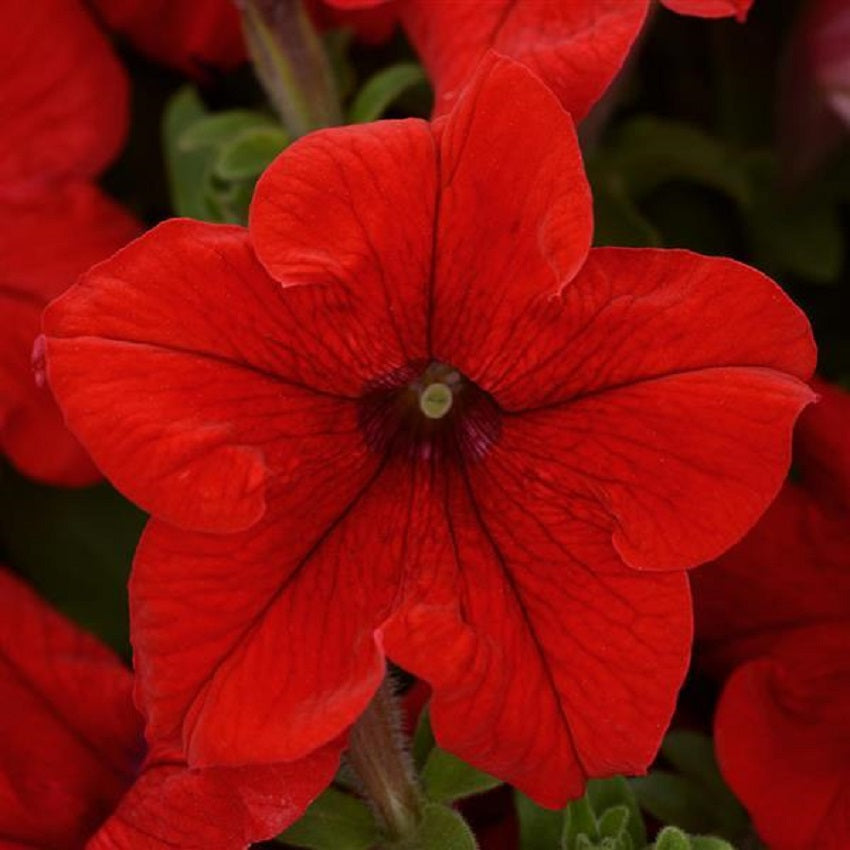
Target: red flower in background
63	115
73	770
782	733
826	36
196	36
191	35
458	437
576	48
793	568
778	605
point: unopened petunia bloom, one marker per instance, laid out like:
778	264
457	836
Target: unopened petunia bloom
409	413
73	768
63	116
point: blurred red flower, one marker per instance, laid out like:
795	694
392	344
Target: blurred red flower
782	733
63	116
410	412
73	770
197	36
777	607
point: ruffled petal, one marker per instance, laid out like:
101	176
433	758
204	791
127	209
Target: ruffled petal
224	808
348	213
293	604
576	48
568	661
63	94
181	366
515	218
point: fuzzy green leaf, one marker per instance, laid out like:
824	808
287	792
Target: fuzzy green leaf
335	821
442	828
250	153
447	778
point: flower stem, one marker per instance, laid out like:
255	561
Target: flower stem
291	63
379	758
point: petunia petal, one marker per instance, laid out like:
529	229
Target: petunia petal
46	240
515	220
634	316
791	570
576	48
224	808
194	36
63	94
177	363
293	603
782	733
69	735
711	8
327	214
550	660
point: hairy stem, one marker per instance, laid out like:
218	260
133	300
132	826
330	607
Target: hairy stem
379	758
290	62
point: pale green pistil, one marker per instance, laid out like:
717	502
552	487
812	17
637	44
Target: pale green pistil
435	400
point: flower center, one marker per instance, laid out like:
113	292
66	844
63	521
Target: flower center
427	410
435	401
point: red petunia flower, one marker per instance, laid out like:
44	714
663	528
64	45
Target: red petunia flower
63	114
73	771
411	413
576	48
782	733
793	568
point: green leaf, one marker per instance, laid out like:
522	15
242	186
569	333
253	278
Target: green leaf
709	842
249	153
75	546
189	171
616	794
335	821
383	89
671	838
579	823
696	798
800	234
539	828
423	740
651	151
617	219
212	131
442	828
447	778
